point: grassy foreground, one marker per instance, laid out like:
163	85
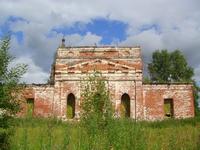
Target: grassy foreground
50	134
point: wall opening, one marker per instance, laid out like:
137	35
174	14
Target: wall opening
70	106
125	106
30	107
168	108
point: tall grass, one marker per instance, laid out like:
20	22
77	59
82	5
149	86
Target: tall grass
122	134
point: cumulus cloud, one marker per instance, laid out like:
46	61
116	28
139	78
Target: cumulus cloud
78	40
35	74
38	50
177	26
184	37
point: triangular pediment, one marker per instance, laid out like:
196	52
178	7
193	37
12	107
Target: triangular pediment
99	65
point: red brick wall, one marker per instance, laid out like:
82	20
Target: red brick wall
122	68
43	96
155	94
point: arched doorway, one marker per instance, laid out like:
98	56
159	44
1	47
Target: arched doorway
125	105
70	113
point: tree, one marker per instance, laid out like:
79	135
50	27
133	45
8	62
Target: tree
169	67
196	90
97	113
172	67
9	88
96	104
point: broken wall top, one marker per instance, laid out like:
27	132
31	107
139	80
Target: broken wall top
99	52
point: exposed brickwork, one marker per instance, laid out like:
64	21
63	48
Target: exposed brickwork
154	96
122	68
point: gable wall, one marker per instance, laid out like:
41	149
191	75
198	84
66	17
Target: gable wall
110	61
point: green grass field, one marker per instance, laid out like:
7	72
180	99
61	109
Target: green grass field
51	134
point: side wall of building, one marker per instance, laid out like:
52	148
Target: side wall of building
43	100
154	96
146	101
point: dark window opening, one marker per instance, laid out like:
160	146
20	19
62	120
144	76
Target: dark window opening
30	107
70	106
125	105
168	108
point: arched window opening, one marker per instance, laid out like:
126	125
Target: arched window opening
125	105
70	106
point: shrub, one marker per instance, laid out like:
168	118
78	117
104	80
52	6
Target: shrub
96	104
96	109
9	90
4	139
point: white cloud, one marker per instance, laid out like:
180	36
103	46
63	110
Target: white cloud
135	12
35	74
178	22
149	40
38	51
78	40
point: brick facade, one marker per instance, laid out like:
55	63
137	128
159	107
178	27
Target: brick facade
122	68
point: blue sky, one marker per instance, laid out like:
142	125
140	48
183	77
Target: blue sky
5	28
109	30
37	27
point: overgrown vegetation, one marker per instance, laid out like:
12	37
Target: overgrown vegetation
9	89
69	112
96	109
196	90
48	134
96	130
169	67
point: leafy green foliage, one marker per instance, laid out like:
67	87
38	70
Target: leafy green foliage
4	139
9	79
169	67
96	107
96	102
146	80
196	90
9	89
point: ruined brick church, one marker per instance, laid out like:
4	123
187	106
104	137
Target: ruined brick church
122	67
